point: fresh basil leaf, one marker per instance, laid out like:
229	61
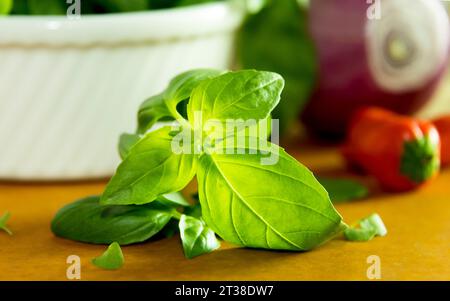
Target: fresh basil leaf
247	94
151	111
366	229
280	206
5	6
164	105
111	259
181	87
88	221
3	220
343	190
173	199
277	39
126	141
151	169
197	238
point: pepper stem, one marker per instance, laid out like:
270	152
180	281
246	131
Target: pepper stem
420	159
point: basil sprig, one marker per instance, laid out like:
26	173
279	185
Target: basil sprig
272	206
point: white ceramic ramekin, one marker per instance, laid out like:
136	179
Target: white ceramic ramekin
68	88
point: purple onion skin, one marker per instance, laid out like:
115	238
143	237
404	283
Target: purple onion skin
345	83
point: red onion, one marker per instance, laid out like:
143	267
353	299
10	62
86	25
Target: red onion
388	53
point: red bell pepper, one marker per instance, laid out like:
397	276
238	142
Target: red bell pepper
403	153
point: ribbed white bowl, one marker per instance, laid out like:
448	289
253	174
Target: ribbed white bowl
68	88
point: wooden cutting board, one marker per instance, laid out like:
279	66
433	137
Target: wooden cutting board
416	247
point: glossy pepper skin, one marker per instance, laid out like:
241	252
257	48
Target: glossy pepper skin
403	153
443	126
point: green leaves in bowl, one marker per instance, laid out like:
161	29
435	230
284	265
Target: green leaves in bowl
59	7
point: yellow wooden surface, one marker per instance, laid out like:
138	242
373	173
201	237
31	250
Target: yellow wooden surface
417	246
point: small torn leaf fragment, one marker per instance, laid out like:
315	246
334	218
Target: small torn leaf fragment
197	238
366	229
360	234
343	190
3	220
374	221
111	259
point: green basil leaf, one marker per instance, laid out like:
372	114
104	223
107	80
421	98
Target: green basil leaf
343	190
247	94
181	87
277	39
280	206
5	6
151	169
111	259
196	237
151	111
126	141
164	105
3	220
88	221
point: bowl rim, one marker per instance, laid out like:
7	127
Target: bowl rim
119	28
